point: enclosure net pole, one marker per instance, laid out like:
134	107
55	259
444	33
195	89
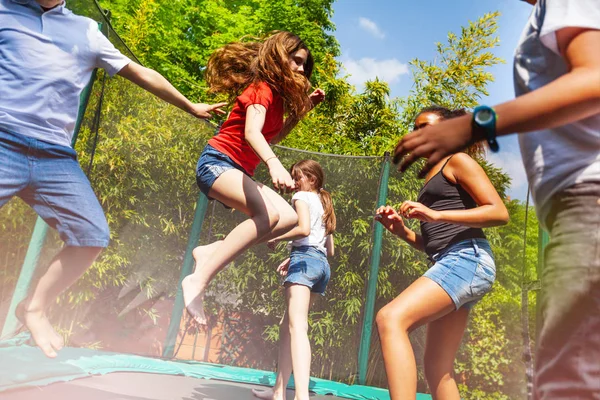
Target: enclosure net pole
543	240
186	269
365	339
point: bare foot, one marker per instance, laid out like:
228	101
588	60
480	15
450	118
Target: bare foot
42	332
268	394
193	297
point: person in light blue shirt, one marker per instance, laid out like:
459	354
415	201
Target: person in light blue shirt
47	56
557	116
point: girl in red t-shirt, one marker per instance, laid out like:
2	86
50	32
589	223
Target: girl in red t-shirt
270	79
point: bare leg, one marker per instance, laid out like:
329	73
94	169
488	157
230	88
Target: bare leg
294	346
270	215
443	339
284	365
298	302
66	267
423	301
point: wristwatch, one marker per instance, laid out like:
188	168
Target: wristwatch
484	125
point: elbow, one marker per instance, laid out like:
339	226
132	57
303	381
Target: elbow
502	217
251	133
506	219
304	231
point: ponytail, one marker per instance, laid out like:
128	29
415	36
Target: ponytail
329	215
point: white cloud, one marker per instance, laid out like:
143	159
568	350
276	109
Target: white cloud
367	69
512	164
371	27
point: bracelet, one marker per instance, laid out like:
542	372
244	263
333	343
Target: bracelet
270	158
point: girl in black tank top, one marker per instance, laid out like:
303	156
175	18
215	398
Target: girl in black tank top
440	194
455	203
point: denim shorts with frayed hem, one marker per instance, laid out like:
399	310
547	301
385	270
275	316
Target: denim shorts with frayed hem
465	270
309	267
211	164
48	178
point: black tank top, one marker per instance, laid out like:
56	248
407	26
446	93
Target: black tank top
440	194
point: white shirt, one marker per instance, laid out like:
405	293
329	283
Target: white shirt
557	158
46	60
317	234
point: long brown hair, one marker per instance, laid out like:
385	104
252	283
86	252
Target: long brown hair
477	149
233	68
312	169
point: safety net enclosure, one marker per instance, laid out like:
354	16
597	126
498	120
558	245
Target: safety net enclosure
123	322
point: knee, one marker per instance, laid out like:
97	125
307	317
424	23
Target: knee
288	219
390	320
298	326
268	220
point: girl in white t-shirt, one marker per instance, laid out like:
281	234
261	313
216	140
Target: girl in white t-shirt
306	274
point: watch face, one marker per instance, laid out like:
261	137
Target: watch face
484	116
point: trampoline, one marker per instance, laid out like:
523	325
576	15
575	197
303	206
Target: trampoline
77	373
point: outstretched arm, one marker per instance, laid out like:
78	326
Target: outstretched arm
159	86
572	97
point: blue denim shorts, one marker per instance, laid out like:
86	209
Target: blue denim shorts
465	270
309	267
48	177
211	164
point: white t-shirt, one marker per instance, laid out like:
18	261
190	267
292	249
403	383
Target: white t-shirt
557	158
317	234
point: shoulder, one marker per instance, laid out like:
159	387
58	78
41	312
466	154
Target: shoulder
301	195
80	19
258	87
459	166
257	93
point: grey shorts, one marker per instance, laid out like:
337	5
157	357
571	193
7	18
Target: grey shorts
568	353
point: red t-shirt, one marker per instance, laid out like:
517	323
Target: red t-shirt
231	141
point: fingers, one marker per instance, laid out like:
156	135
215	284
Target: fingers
404	146
284	185
217	108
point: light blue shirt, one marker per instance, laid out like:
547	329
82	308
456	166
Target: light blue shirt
46	60
560	157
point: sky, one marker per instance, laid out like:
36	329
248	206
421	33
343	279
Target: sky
379	37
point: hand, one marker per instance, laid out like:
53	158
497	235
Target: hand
282	180
434	142
317	96
284	267
203	111
414	210
272	243
390	219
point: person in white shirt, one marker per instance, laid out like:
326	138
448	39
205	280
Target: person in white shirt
557	113
48	55
306	274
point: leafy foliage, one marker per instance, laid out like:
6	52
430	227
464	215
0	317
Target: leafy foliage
143	175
